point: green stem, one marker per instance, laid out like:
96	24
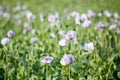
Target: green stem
69	72
28	68
5	74
71	46
13	54
28	71
6	64
46	72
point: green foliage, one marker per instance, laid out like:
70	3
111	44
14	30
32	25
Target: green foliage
22	61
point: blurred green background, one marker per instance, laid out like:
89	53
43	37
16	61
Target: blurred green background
78	5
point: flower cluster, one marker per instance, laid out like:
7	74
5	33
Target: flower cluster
71	35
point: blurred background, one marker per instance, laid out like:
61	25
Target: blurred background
78	5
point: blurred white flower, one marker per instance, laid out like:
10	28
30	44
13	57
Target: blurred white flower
26	24
118	23
63	42
52	35
66	10
17	16
89	46
30	16
99	14
10	34
90	14
75	40
57	15
77	20
47	59
87	23
17	8
83	17
41	19
5	41
34	31
19	22
75	14
107	13
67	59
33	40
24	7
41	15
68	17
112	26
51	18
6	15
100	26
116	15
70	35
29	29
56	23
62	33
24	31
118	32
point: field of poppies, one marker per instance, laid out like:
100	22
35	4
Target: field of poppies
66	40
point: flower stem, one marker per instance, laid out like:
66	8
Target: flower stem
69	72
28	71
6	64
46	72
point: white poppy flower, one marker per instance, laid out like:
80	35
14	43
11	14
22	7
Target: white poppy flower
87	23
41	15
116	15
89	46
19	22
90	14
100	26
34	31
70	35
74	14
77	20
6	15
47	59
67	59
62	33
83	17
51	18
26	24
118	32
10	33
5	41
33	40
99	14
112	26
107	13
52	35
30	16
57	15
63	42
